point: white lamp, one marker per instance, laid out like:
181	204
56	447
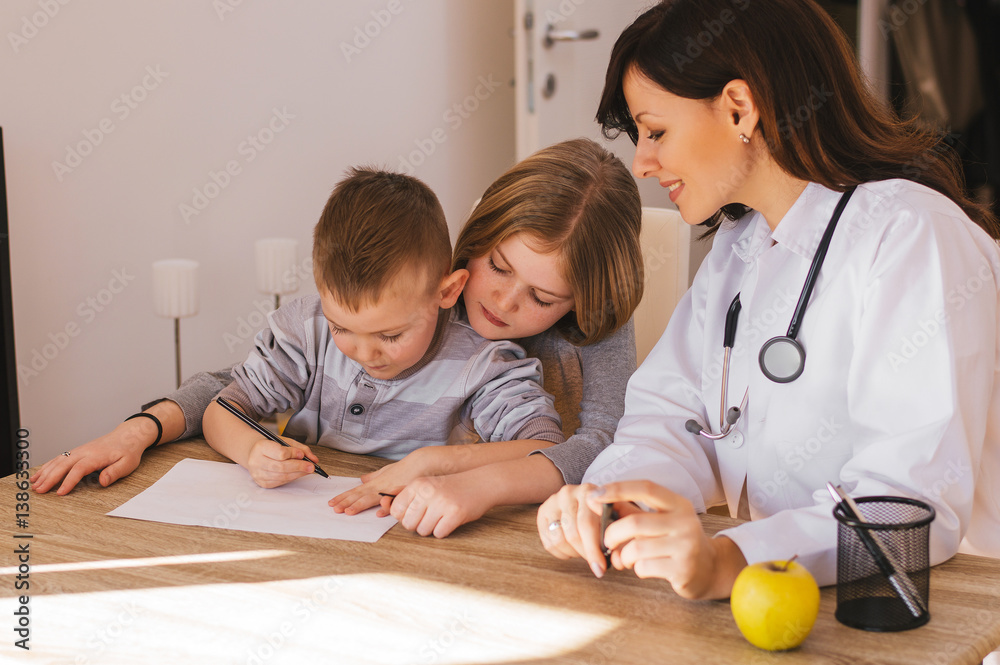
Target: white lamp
175	296
276	272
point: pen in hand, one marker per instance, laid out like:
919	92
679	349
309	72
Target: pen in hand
231	408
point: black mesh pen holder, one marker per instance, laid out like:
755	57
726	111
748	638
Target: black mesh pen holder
883	564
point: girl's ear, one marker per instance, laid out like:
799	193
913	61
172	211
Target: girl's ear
451	287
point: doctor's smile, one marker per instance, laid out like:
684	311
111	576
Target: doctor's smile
674	189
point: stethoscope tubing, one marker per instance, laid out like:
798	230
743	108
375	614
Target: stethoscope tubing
728	420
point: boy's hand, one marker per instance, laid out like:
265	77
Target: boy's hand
271	464
439	504
389	479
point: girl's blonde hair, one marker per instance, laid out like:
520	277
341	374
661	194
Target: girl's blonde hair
578	199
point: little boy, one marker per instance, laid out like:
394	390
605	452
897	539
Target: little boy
376	363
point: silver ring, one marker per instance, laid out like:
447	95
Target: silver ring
555	525
65	454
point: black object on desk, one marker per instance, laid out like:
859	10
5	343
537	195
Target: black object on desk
883	567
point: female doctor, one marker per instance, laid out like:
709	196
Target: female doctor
853	280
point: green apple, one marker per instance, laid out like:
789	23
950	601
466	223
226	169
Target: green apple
775	604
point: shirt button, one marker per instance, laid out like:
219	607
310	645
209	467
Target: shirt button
735	439
357	409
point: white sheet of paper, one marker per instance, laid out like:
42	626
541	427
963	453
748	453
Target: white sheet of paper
224	496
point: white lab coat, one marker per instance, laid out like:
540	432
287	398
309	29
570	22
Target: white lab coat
899	391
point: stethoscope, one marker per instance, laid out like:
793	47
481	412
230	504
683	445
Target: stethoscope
782	358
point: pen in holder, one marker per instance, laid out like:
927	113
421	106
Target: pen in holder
883	563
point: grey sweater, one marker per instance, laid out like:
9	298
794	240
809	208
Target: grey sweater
588	382
464	389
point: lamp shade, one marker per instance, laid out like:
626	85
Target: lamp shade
276	273
175	287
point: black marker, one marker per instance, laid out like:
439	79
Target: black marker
231	408
608	515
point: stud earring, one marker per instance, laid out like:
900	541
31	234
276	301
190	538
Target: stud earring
743	137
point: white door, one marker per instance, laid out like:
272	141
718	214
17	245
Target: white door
562	49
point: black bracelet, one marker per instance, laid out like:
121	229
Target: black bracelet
159	425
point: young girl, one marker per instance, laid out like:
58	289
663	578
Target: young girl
555	263
891	386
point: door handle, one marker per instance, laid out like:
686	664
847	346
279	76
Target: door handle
553	36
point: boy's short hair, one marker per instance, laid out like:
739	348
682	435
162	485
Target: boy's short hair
375	224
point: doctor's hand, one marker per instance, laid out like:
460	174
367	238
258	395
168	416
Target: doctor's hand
570	527
668	542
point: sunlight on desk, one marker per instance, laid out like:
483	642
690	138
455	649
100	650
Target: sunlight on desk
106	564
367	618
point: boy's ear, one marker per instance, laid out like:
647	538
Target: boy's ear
451	287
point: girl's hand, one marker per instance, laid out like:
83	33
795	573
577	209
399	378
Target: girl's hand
668	542
118	452
390	479
439	504
271	464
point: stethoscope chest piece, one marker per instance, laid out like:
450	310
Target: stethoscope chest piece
782	359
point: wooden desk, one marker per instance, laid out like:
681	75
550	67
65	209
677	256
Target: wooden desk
489	593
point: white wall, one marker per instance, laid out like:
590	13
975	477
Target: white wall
221	77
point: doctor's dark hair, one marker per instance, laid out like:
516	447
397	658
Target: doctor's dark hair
375	224
579	200
818	119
